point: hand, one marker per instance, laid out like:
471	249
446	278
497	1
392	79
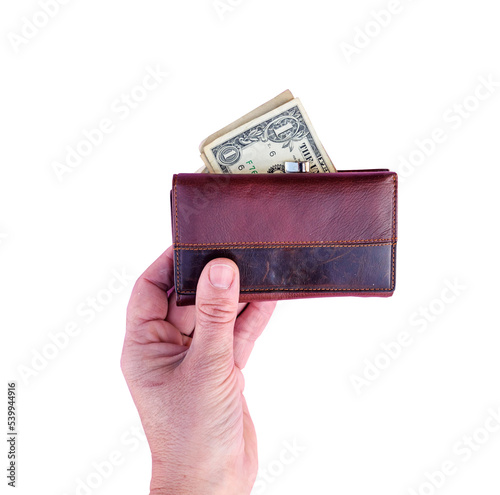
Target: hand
188	386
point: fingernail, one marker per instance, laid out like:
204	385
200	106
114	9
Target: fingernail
221	276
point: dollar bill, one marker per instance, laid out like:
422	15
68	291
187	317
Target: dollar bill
261	141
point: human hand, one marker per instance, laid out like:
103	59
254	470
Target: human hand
188	386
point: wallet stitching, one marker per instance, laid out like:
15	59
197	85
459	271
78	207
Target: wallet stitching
285	246
177	262
300	289
393	250
263	243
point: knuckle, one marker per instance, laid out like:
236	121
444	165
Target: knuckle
216	312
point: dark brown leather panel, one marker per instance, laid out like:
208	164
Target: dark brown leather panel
340	269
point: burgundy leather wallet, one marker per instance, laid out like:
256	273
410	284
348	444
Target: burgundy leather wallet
291	235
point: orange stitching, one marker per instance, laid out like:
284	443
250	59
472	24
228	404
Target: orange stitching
393	265
176	233
284	247
247	243
393	250
184	292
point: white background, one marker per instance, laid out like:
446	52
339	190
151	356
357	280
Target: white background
61	240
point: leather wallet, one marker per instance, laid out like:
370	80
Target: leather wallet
292	235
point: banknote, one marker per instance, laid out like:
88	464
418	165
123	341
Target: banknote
263	109
261	141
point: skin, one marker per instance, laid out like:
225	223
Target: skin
183	368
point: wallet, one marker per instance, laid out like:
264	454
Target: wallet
296	235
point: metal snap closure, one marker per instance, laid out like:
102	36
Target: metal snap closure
297	167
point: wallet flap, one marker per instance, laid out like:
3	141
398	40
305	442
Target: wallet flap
291	235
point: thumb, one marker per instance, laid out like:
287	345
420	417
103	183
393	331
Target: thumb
217	297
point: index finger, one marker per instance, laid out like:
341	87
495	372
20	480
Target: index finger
149	300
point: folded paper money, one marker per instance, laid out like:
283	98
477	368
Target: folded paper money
262	140
291	235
